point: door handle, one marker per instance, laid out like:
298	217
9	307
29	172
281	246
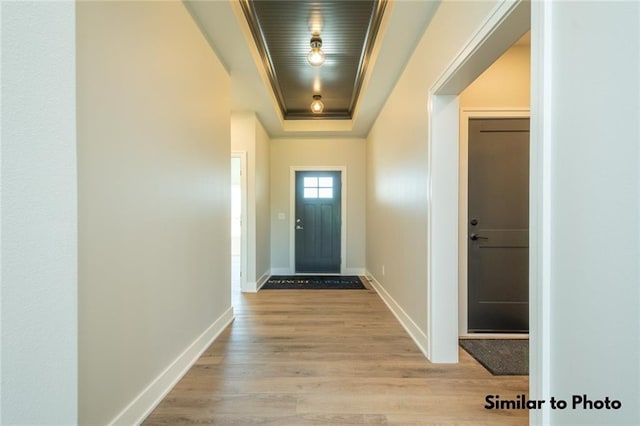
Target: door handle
299	227
475	237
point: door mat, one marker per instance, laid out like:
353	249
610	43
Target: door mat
502	357
314	282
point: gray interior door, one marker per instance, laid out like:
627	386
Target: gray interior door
498	228
317	221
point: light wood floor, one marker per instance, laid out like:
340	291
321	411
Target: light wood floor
329	357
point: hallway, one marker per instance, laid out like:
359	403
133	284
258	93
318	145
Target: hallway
329	357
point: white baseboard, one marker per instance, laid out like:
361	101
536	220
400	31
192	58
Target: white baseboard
347	271
152	395
407	323
257	285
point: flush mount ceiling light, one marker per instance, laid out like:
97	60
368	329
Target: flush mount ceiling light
317	106
316	55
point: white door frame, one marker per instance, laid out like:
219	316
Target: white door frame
242	155
463	210
506	24
292	213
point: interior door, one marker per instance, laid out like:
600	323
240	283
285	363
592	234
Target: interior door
317	221
498	228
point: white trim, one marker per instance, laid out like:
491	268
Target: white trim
403	318
540	209
257	285
355	271
242	155
463	212
280	271
292	213
503	26
152	395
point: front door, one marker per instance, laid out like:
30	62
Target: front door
498	228
317	221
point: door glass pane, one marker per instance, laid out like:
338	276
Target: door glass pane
311	193
325	182
310	182
326	192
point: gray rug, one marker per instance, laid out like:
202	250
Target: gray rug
502	357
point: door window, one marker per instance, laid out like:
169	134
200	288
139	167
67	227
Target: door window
318	187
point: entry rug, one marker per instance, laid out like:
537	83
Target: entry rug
502	357
314	282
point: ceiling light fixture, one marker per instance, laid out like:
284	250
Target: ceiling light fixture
317	106
316	55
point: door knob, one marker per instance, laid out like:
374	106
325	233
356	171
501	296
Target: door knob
475	237
299	227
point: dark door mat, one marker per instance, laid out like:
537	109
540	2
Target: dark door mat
502	357
314	282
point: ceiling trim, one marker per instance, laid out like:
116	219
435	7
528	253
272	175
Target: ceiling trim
365	60
258	38
367	51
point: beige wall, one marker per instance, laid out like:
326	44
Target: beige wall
248	135
317	152
397	164
154	185
504	84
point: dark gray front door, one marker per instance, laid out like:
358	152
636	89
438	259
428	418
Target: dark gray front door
317	221
498	228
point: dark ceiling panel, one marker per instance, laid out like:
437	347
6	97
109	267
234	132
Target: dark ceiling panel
282	31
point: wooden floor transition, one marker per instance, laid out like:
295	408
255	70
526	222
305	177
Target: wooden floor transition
298	357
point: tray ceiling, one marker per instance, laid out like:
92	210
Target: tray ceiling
282	31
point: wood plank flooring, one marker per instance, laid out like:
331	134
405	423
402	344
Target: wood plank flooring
302	357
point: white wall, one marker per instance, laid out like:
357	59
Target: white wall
154	202
39	238
397	164
263	203
317	152
248	135
593	138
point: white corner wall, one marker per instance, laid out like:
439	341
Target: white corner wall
38	311
248	135
263	204
591	181
398	169
154	203
288	152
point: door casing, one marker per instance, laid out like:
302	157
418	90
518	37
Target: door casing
242	155
463	213
292	213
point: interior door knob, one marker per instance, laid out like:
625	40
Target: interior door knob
299	227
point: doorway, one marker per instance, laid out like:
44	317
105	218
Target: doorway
238	220
339	186
318	221
497	226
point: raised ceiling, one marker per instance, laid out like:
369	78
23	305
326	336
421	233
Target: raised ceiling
282	31
224	25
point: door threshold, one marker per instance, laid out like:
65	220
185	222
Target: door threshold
494	336
312	274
